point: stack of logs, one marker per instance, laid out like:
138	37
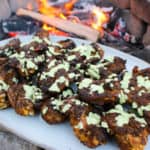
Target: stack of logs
137	15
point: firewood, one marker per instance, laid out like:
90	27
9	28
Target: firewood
65	25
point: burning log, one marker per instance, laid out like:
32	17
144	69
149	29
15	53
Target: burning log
65	25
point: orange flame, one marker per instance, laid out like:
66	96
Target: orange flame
101	18
64	11
69	5
54	31
50	11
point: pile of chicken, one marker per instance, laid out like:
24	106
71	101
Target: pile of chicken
62	81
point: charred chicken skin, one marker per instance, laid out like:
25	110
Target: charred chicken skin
129	130
23	98
86	125
104	68
8	77
99	92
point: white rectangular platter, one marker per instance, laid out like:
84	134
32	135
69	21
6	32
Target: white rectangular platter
58	137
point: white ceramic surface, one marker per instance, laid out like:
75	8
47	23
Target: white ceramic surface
57	137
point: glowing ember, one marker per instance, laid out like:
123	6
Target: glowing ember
100	18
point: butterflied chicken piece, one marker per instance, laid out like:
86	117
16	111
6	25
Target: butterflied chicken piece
142	106
36	44
84	54
4	103
139	96
10	48
14	44
55	50
130	131
67	44
56	110
142	72
99	92
135	90
42	34
41	41
134	85
59	49
64	44
25	65
56	77
50	112
86	125
106	67
31	56
8	77
3	61
23	98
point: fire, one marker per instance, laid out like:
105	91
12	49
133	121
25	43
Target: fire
54	11
100	17
50	11
69	5
64	11
54	31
